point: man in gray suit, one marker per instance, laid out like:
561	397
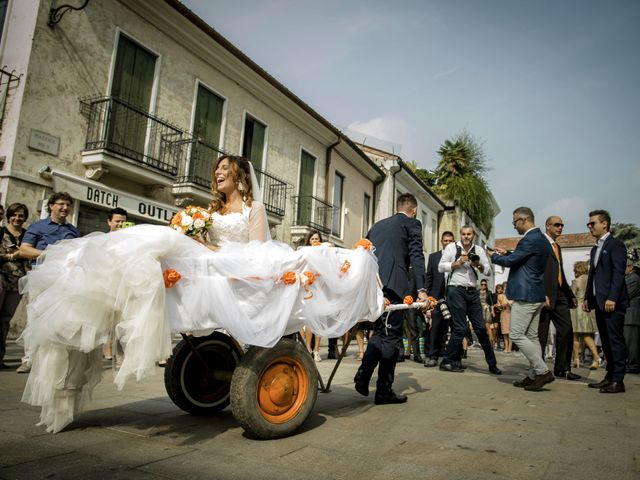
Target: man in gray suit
526	288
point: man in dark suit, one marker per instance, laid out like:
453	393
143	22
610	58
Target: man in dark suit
559	299
526	289
607	294
398	245
434	337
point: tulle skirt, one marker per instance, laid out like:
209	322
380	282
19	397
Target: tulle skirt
89	289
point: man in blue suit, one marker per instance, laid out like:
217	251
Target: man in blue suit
526	289
398	245
607	295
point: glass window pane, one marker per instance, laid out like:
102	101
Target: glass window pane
338	184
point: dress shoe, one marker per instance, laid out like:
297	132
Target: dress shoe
418	359
601	384
523	383
539	382
459	365
495	370
431	362
389	398
568	375
613	387
361	387
449	367
332	356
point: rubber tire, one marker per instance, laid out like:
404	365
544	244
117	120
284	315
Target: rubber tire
185	379
246	383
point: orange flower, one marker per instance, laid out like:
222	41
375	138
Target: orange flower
311	277
387	302
408	300
170	277
364	243
345	267
288	278
177	218
197	215
315	243
433	301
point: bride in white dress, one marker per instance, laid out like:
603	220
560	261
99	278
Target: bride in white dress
238	280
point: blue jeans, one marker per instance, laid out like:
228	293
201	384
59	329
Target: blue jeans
464	302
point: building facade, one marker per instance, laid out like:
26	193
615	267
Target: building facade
129	104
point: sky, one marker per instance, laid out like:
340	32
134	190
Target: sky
551	87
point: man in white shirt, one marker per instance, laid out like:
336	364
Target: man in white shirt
463	261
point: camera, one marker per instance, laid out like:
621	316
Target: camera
444	309
474	258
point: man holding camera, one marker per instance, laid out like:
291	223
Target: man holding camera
464	261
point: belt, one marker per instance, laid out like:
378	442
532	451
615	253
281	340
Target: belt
463	288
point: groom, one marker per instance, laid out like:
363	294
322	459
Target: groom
398	245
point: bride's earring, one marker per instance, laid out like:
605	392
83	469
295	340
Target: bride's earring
240	187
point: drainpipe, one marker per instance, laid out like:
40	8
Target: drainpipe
327	164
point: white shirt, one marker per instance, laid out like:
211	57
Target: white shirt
464	275
599	244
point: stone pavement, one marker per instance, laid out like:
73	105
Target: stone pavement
455	426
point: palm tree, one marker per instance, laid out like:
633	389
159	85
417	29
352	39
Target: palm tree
459	177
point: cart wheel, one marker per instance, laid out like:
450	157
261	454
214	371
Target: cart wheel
195	388
274	389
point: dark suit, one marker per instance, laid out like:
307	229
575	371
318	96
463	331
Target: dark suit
435	286
561	299
608	276
398	245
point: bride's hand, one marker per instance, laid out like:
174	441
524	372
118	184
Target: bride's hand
202	239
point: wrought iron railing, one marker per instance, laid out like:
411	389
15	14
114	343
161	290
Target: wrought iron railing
274	192
313	212
202	157
8	82
145	139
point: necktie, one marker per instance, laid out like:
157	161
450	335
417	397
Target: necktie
557	254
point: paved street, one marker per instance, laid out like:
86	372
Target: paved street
455	426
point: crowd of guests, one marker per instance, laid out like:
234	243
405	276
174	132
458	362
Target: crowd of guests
599	304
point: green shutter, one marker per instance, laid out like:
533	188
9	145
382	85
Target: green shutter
305	203
207	126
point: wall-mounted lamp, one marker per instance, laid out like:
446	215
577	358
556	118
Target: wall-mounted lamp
56	14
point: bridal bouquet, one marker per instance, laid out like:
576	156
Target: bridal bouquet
192	221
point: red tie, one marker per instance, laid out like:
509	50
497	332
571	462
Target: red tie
557	253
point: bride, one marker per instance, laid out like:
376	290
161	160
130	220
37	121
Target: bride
234	278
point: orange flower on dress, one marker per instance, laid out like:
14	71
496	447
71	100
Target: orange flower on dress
408	300
345	267
364	243
171	277
289	278
311	277
433	301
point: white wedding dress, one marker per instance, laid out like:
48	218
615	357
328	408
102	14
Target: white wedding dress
87	288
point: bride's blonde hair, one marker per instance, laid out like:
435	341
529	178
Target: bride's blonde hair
241	174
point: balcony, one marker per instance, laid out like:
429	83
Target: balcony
313	213
274	193
193	182
124	139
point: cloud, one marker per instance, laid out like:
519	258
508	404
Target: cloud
573	210
391	129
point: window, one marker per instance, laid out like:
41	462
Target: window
366	215
253	142
338	185
305	192
207	128
207	124
131	88
3	12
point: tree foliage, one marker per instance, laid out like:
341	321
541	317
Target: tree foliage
629	233
460	177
